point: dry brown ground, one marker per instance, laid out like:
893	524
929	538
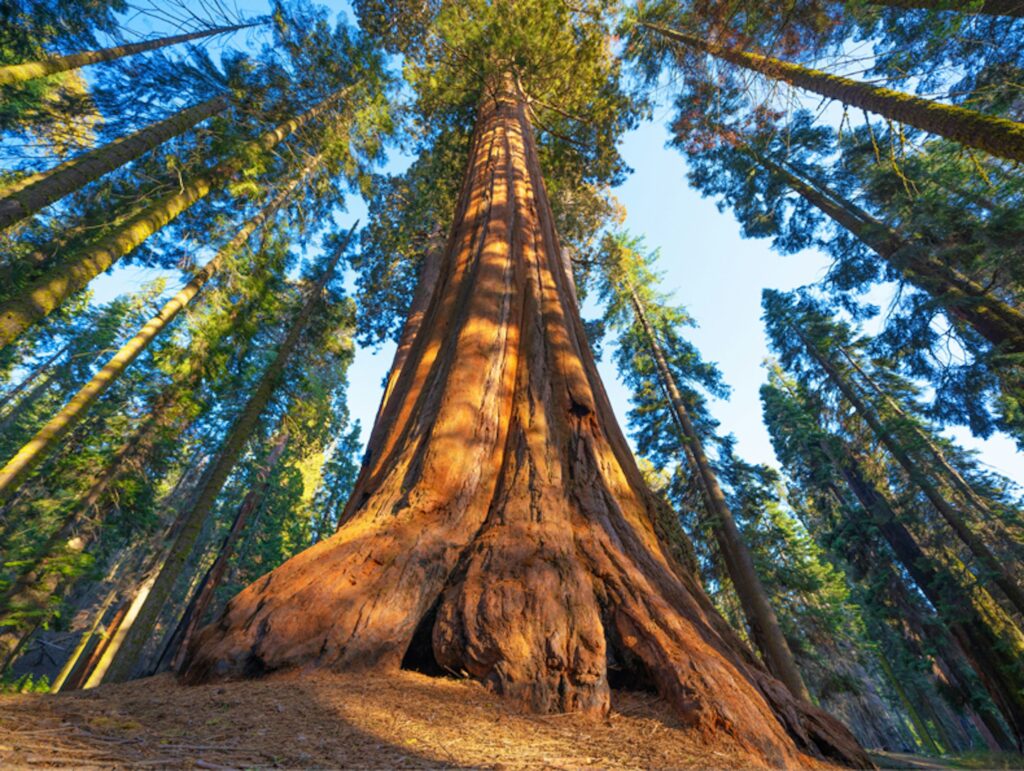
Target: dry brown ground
319	719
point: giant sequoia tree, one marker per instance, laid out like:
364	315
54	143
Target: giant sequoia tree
499	524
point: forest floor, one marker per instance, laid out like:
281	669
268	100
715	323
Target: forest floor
406	720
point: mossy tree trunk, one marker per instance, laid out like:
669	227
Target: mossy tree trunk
18	73
200	603
998	669
27	196
999	136
961	297
988	7
500	526
994	569
75	270
17	468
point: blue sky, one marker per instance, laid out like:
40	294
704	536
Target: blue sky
715	273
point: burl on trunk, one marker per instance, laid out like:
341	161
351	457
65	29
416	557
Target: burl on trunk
499	511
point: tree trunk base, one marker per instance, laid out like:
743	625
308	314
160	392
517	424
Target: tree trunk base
500	502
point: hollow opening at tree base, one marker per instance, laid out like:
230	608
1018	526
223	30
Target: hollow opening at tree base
419	656
626	671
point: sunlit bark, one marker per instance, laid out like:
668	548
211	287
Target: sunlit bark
501	526
49	435
17	73
27	196
198	509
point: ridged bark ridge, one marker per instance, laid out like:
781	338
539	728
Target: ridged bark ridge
500	523
1001	137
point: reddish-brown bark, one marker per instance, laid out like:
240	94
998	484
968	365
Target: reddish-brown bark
501	513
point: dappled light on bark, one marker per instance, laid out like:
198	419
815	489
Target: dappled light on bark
499	493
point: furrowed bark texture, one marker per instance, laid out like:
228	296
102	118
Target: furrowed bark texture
500	523
1001	137
29	195
17	73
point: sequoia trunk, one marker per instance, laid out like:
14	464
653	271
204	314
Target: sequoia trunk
500	525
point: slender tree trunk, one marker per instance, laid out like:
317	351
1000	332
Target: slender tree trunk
18	467
97	619
30	379
29	195
935	631
77	269
999	673
987	7
503	515
17	73
921	730
998	136
987	723
118	631
124	664
961	297
997	571
204	594
81	677
26	403
961	485
40	578
757	608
